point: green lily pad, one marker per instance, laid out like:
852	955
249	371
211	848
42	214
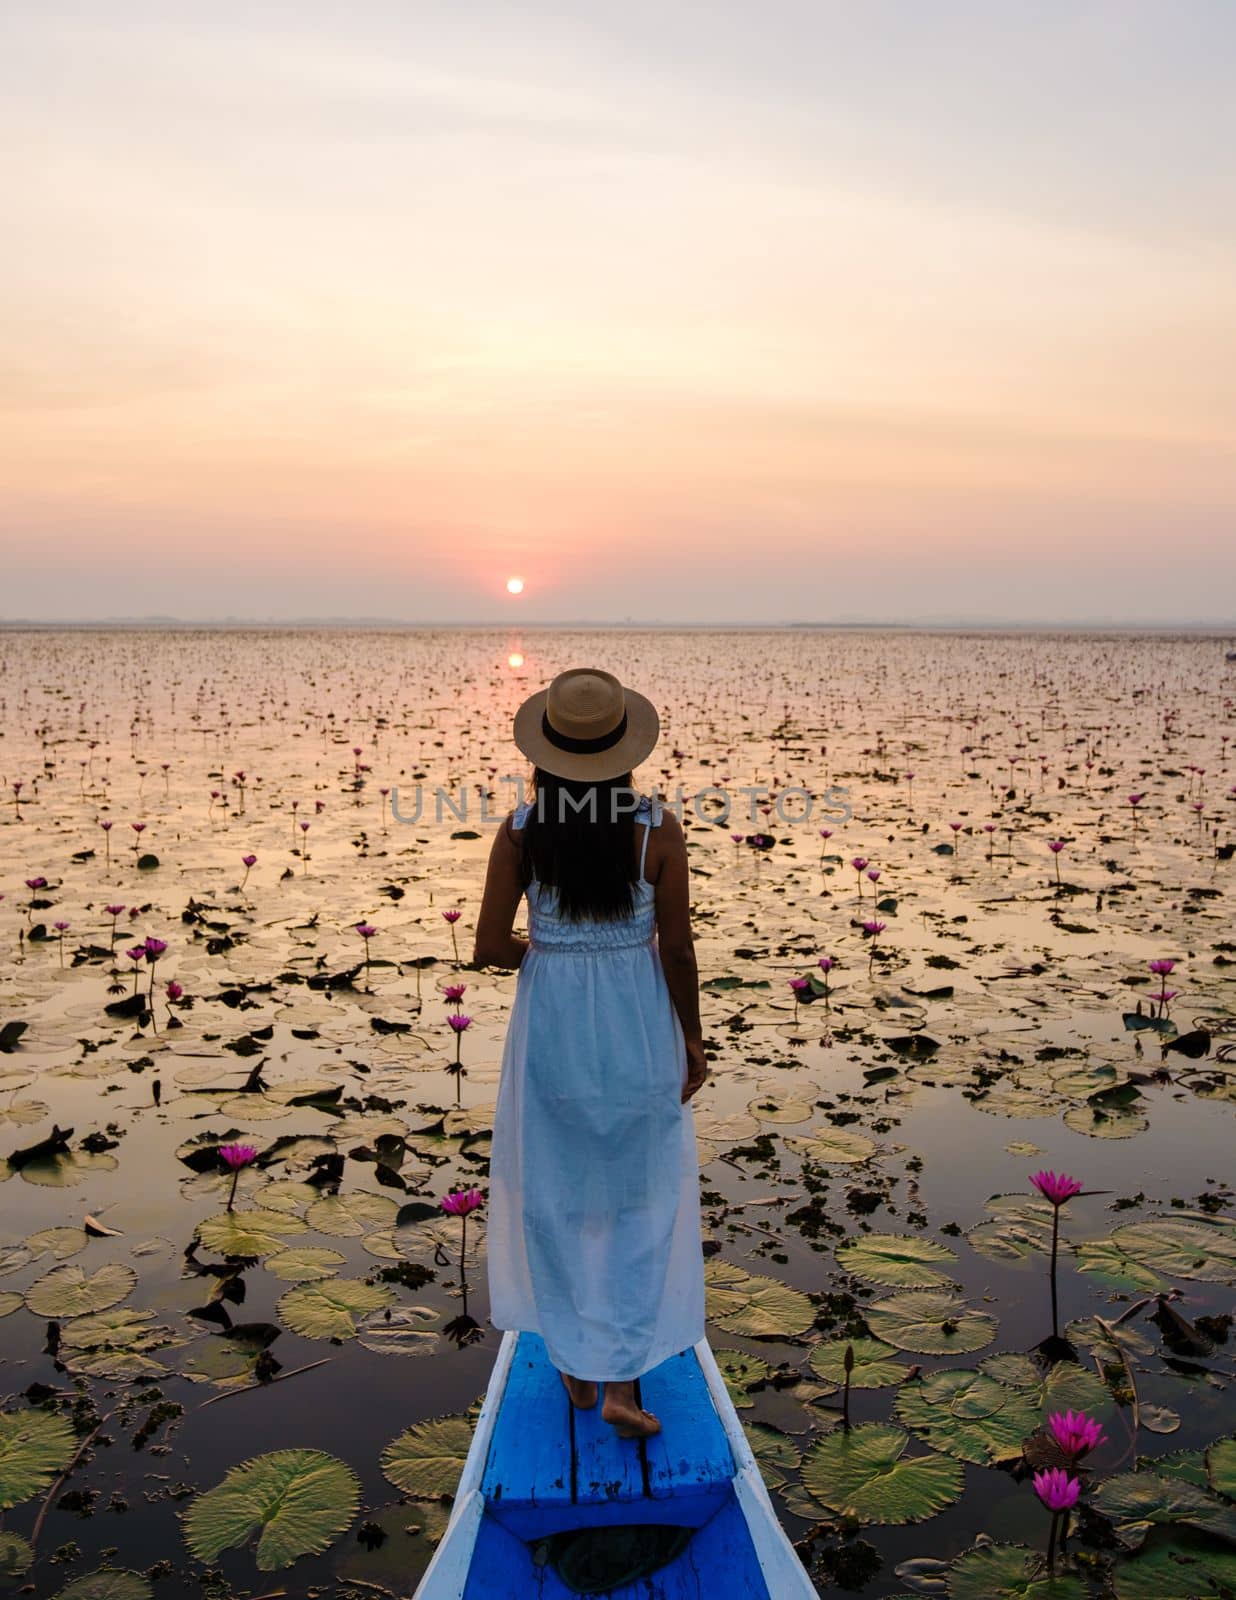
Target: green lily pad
1221	1467
71	1291
9	1302
1177	1566
1009	1572
740	1371
1182	1248
754	1307
1135	1500
34	1447
350	1215
838	1147
864	1474
297	1502
425	1461
108	1583
875	1363
776	1452
1020	1228
248	1233
328	1309
895	1259
930	1323
16	1557
304	1264
968	1414
1111	1265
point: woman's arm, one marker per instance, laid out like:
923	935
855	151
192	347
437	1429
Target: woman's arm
496	945
676	945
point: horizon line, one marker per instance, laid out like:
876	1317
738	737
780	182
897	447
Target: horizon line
1218	626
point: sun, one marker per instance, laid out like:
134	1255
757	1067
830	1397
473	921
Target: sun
514	586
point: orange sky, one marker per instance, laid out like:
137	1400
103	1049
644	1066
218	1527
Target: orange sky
803	311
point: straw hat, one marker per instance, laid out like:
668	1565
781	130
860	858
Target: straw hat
586	725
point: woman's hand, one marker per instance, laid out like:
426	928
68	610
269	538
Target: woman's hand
697	1069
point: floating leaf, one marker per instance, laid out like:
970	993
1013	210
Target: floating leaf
1105	1259
401	1332
71	1291
968	1414
305	1264
298	1502
833	1147
9	1303
863	1473
931	1323
350	1215
1009	1572
426	1460
875	1363
16	1557
740	1372
776	1452
1135	1500
248	1233
108	1583
1177	1566
34	1447
895	1259
1182	1248
752	1306
1221	1467
328	1310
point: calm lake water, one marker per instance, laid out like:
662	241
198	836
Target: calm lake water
853	1145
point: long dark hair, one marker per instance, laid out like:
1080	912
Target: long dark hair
580	838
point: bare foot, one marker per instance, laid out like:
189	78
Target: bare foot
628	1420
583	1392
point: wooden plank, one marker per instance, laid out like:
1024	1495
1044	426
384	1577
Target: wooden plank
527	1475
608	1470
691	1454
720	1563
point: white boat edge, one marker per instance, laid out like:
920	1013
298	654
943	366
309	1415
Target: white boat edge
446	1576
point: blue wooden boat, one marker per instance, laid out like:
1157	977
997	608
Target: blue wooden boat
551	1499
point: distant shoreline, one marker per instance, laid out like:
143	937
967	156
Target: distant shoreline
1213	629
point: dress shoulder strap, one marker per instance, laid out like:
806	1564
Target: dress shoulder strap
649	813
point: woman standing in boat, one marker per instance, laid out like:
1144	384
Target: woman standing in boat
594	1235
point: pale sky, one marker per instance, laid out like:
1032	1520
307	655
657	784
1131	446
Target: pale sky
679	310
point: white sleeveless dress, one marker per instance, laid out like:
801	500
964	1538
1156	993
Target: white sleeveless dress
594	1211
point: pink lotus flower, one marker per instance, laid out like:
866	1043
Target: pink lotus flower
113	911
249	861
459	1022
1056	1489
1162	967
451	916
1076	1433
1055	846
154	948
462	1202
174	991
138	953
235	1156
106	826
138	827
872	928
874	874
799	985
1055	1186
36	883
826	964
859	863
366	930
1136	799
454	992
